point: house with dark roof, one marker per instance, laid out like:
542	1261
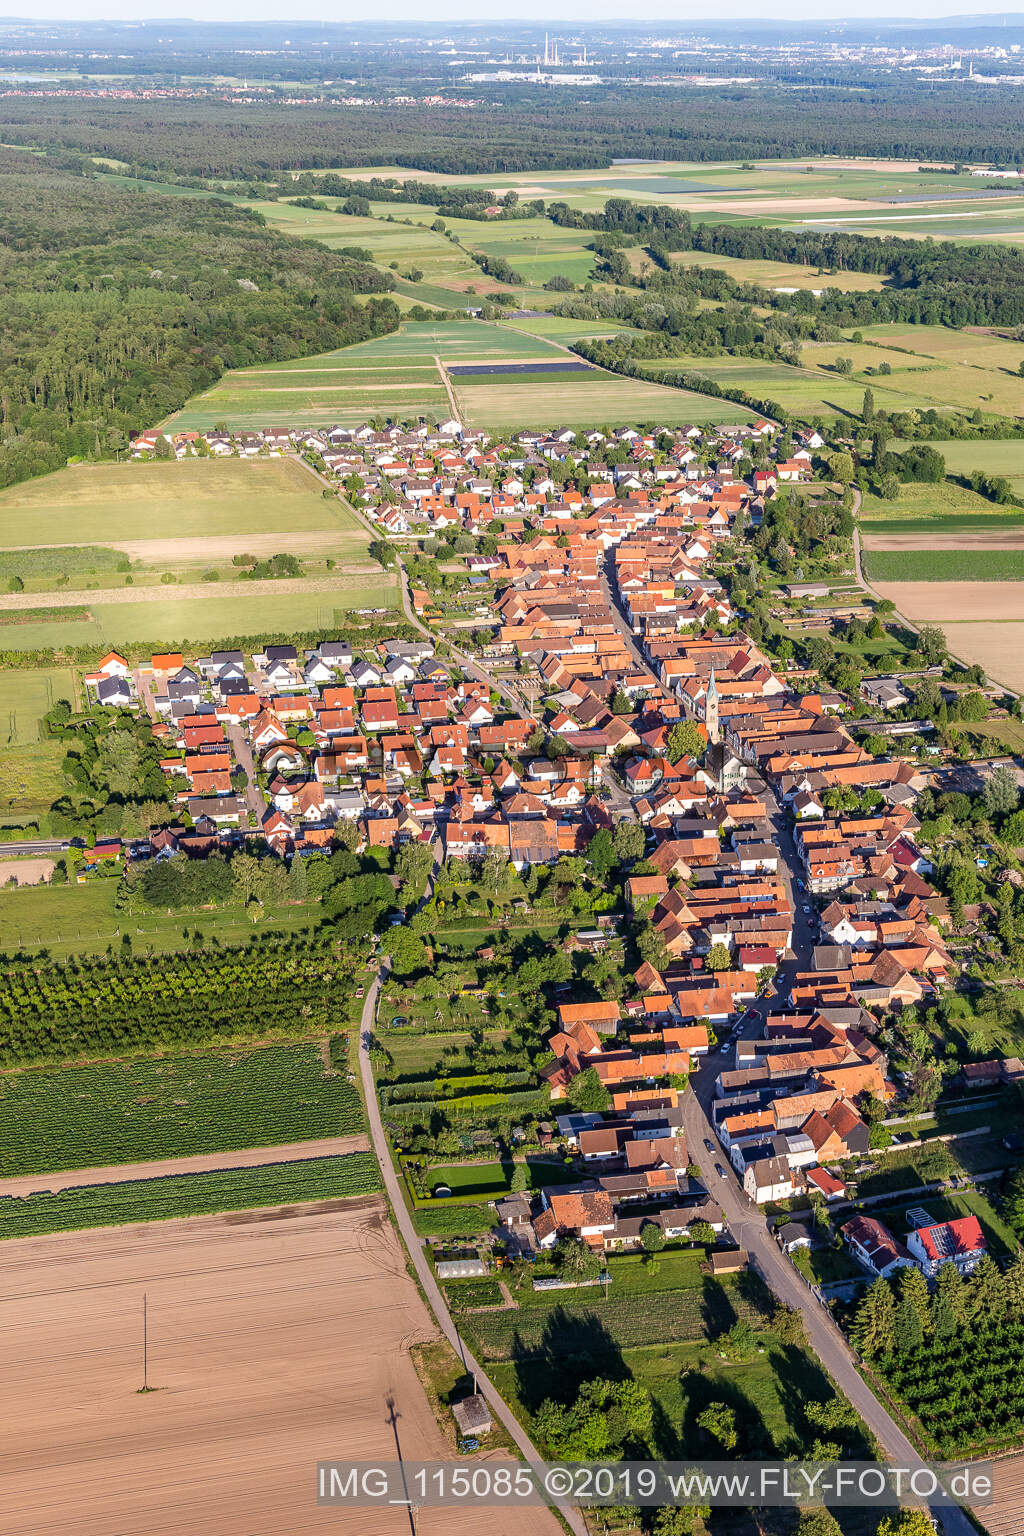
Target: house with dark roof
873	1245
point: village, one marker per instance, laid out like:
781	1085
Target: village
780	899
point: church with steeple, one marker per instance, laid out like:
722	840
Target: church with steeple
711	711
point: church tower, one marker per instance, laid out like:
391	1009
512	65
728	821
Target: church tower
711	710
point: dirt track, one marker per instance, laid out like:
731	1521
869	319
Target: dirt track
274	1341
207	1162
1011	537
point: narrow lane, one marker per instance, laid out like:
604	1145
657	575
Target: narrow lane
424	1273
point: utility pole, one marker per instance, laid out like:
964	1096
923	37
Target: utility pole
145	1342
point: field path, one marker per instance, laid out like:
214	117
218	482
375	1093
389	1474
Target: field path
424	1272
294	586
205	1162
449	391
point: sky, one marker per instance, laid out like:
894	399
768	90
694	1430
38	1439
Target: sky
680	16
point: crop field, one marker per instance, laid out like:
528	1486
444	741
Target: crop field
396	376
561	329
189	1194
772	274
581	400
945	565
108	503
145	1109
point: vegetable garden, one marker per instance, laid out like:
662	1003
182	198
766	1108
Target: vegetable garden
142	1109
663	1317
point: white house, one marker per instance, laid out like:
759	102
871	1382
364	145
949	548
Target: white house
959	1242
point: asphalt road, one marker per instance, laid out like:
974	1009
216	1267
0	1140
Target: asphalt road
748	1226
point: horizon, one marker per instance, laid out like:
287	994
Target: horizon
580	15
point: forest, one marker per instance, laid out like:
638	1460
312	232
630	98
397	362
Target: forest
516	128
930	282
116	306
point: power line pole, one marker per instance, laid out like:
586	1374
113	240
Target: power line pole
145	1342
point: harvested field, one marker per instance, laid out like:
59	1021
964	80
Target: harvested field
956	602
1002	1517
275	1339
995	642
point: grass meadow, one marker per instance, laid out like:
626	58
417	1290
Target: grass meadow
82	919
942	508
30	776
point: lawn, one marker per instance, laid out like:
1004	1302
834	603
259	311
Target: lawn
144	1109
948	1206
113	503
82	919
191	1194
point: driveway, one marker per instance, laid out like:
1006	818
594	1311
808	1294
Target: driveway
254	800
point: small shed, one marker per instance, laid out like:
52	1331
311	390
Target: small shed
729	1261
460	1269
472	1415
795	1234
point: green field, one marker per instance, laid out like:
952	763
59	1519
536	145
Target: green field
942	508
83	919
770	274
189	1194
397	376
30	776
944	565
145	1109
996	457
112	503
174	622
583	400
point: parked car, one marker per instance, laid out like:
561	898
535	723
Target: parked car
721	1171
